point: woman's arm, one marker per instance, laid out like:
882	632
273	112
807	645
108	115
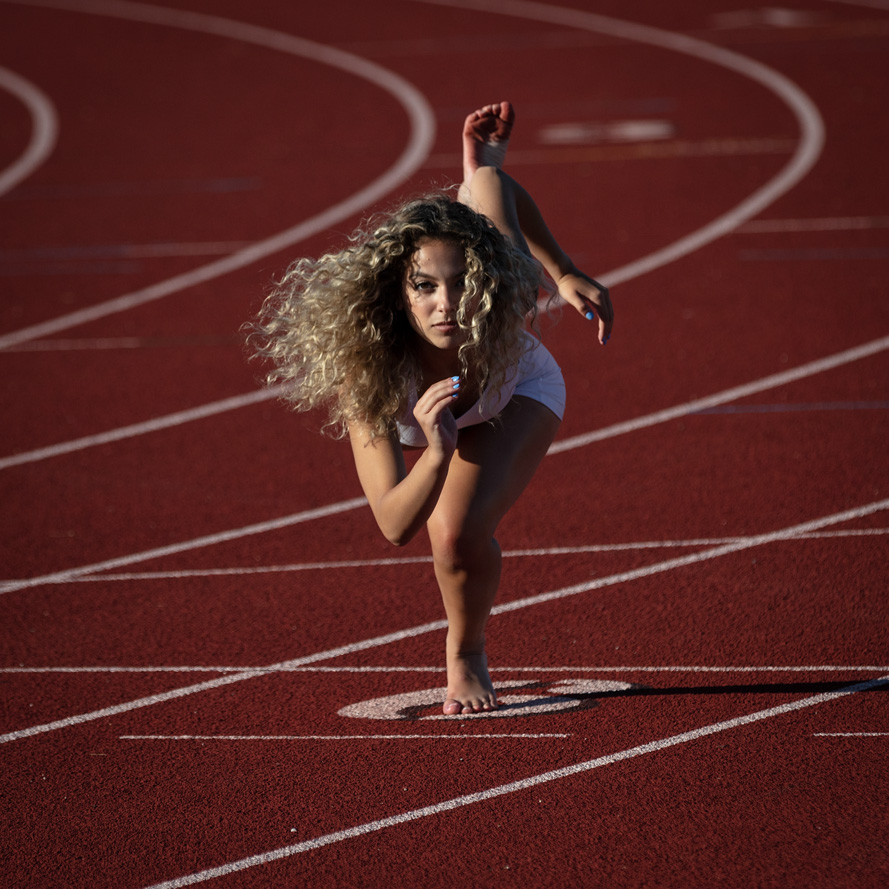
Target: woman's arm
509	206
587	295
402	501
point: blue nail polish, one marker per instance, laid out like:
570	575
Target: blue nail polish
456	379
590	316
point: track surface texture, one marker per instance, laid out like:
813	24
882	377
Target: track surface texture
216	671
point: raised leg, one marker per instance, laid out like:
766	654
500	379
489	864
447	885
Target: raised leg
508	205
499	197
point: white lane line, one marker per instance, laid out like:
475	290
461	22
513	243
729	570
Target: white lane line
44	129
801	407
851	735
575	154
140	188
122	432
663	416
127	669
426	560
422	132
37	255
515	786
803	109
832	224
241	676
774	381
813	254
437	737
678	668
112	342
808	668
413	632
694	558
811	140
871	4
307	515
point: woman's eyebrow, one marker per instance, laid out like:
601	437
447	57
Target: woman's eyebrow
419	273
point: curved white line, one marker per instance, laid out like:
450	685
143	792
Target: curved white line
44	128
805	156
420	114
810	123
802	161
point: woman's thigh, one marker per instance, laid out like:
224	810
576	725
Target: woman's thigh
493	464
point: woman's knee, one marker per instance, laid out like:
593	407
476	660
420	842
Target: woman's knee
461	546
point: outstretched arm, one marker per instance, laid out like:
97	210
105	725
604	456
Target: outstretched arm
509	206
498	196
587	295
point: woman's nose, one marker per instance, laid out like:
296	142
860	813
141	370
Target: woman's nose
449	297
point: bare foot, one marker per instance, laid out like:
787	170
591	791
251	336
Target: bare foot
486	137
470	689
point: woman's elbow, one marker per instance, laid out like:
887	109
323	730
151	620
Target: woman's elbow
393	526
396	533
398	537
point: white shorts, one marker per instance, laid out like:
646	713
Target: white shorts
538	377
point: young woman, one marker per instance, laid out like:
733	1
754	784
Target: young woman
414	336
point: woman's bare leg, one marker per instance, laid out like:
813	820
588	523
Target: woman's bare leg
493	193
493	464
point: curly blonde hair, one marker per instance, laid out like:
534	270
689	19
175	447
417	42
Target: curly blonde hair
337	336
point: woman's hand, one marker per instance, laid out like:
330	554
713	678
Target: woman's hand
436	421
402	501
590	298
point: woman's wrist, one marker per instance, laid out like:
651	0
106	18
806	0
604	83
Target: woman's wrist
438	456
568	270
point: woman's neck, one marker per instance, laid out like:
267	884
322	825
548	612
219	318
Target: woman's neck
436	364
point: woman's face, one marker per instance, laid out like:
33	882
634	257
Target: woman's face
431	292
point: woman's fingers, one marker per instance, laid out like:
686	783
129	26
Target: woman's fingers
591	299
431	412
604	309
438	396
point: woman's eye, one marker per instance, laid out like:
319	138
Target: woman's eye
424	286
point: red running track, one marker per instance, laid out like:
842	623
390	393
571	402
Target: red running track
214	668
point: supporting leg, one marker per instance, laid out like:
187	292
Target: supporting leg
493	464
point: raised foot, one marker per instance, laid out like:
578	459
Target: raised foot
470	689
486	137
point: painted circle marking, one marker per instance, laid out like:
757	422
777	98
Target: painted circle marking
521	698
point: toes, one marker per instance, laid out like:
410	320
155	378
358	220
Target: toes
491	123
506	113
455	707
